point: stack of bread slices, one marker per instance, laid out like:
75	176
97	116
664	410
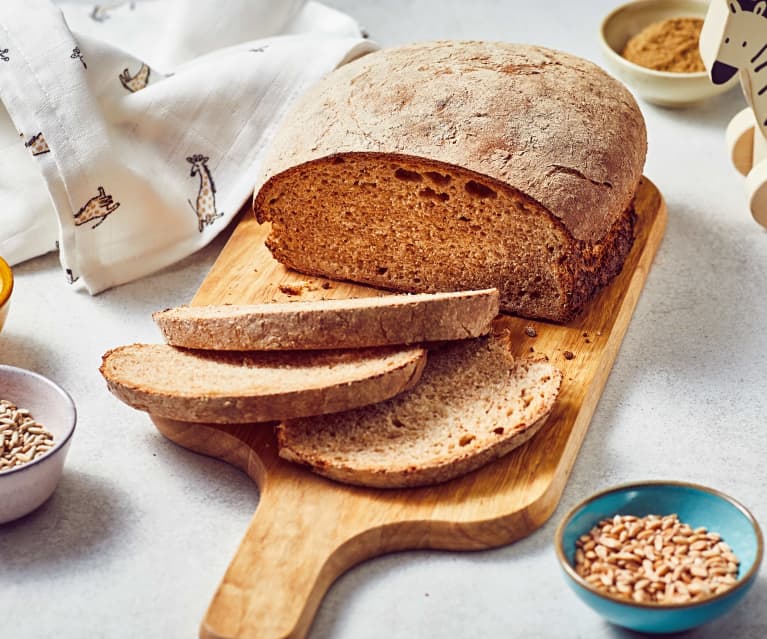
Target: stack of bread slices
348	381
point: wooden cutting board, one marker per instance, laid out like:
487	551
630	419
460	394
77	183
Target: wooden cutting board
308	530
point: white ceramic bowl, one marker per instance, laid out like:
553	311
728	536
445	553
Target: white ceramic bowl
658	87
24	488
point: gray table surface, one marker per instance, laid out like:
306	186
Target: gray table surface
139	532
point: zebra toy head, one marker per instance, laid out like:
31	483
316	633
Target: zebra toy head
733	38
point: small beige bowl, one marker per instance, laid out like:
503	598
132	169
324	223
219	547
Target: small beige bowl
6	288
25	487
658	87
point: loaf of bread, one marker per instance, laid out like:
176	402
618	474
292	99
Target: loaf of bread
474	404
329	324
242	387
460	165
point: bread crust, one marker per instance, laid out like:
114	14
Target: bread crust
554	126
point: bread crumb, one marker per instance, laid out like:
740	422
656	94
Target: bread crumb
530	331
291	289
568	355
327	285
298	288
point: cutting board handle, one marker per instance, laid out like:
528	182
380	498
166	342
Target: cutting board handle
296	544
293	550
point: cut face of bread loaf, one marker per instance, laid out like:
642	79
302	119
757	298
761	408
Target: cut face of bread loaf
328	324
460	165
242	387
474	404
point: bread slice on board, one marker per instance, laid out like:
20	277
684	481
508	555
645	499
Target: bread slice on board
241	387
320	324
474	404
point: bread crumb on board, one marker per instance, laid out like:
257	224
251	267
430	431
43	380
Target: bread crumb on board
568	355
530	331
291	289
295	289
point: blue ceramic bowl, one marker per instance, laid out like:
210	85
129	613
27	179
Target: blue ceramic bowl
696	506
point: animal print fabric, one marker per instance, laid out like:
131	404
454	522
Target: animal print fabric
136	133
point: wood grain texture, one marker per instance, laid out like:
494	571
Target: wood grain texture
308	530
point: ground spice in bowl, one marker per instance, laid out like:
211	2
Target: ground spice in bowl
22	439
670	45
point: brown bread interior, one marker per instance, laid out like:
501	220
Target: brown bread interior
411	224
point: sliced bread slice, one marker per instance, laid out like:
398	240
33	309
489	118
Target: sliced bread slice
240	387
319	324
474	404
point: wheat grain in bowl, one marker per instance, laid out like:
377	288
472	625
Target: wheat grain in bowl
655	559
37	424
22	439
713	518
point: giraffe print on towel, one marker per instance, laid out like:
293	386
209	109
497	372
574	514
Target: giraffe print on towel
4	55
37	144
76	55
136	82
101	13
206	194
97	208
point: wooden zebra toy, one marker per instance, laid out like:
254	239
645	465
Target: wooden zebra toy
734	39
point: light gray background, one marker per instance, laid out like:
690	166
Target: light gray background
139	533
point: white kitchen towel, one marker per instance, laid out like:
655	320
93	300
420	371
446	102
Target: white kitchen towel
131	134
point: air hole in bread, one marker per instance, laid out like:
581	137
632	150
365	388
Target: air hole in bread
479	190
338	160
397	423
431	194
381	270
408	176
498	431
466	440
438	178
